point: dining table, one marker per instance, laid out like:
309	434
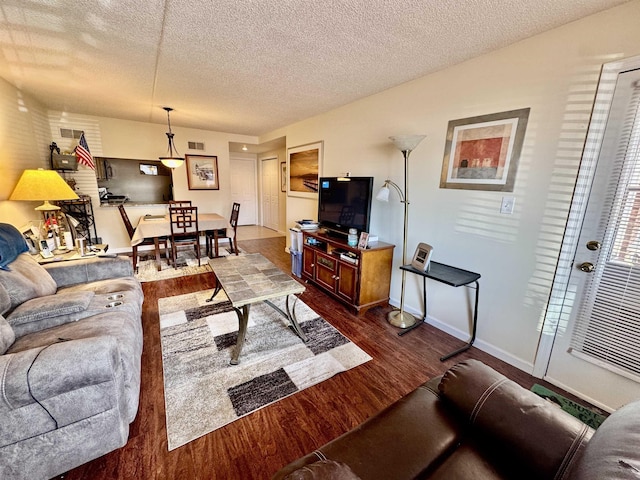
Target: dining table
156	226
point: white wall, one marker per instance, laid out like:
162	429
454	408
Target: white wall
555	74
24	144
115	138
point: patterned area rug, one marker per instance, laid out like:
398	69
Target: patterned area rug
186	264
203	392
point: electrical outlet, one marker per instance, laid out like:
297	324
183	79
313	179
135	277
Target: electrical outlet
507	205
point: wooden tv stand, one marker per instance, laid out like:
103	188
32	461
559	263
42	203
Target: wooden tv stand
361	281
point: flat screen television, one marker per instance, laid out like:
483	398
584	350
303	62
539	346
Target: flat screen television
344	203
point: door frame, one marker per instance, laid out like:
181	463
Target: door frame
586	173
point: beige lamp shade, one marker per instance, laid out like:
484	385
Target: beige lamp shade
42	185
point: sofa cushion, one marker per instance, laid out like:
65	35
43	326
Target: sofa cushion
518	426
12	244
7	336
26	280
323	470
613	450
48	311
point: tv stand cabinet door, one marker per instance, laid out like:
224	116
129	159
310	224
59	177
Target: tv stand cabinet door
347	287
326	271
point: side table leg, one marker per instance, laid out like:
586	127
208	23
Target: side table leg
243	320
424	319
474	325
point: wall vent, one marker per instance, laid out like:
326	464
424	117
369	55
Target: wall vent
69	133
196	145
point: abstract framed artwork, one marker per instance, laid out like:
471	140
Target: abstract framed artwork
202	172
303	170
482	153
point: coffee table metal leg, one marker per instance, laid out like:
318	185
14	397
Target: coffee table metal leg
243	320
290	315
215	291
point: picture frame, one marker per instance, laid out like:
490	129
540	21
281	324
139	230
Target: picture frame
283	176
363	241
202	172
482	153
304	164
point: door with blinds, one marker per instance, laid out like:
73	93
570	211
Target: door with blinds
596	350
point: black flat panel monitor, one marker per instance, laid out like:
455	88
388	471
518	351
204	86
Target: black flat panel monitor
344	203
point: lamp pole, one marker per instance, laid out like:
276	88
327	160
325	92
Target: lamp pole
405	143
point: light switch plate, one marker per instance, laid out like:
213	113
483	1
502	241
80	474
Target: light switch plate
507	205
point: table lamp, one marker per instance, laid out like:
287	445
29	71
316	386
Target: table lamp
42	185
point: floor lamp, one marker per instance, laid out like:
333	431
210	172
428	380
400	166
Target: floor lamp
406	144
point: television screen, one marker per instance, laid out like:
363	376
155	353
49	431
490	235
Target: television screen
344	203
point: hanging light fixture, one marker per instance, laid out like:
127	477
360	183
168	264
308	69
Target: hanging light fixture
172	161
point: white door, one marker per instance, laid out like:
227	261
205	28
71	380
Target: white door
270	193
243	189
596	350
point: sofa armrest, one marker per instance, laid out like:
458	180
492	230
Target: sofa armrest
400	442
522	429
90	269
54	386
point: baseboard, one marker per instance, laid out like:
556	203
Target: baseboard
483	345
580	395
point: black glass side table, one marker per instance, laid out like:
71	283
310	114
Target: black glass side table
456	277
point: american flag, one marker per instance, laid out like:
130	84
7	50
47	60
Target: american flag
83	154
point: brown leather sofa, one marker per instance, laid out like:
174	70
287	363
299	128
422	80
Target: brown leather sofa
474	423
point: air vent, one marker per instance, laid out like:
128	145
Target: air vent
196	145
69	133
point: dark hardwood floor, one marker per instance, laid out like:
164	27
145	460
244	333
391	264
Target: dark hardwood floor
257	445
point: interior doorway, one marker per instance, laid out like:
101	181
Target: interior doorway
244	187
270	193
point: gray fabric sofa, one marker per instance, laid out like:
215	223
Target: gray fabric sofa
70	352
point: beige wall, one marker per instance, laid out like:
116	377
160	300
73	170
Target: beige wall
555	74
110	138
24	141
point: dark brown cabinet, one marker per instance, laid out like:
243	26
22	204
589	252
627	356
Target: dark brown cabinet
359	277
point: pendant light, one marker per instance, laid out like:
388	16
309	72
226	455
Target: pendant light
172	161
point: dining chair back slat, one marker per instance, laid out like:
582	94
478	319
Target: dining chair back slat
184	230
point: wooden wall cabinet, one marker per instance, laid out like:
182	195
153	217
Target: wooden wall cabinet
362	281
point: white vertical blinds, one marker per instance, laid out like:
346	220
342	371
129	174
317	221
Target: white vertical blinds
607	329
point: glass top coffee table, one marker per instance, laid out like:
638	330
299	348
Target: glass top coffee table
248	279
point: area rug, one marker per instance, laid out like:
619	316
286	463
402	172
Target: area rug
203	392
186	264
582	413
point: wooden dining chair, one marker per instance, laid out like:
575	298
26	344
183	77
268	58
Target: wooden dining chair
214	236
184	230
179	203
161	241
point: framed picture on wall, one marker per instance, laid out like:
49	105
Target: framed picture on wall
303	170
482	153
283	176
202	172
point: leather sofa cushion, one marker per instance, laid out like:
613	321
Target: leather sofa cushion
26	280
516	424
323	470
7	336
614	449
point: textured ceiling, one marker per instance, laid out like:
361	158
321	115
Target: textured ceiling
249	66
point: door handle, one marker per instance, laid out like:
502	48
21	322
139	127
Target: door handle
587	267
593	245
